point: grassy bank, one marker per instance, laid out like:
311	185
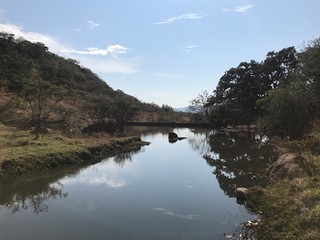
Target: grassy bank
21	153
290	206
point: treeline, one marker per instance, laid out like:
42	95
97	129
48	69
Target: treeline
42	87
281	94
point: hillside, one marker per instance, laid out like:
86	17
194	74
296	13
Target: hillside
75	92
19	56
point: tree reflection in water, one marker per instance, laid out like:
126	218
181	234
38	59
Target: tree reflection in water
32	192
238	160
25	200
121	158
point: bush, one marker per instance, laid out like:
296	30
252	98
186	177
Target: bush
287	111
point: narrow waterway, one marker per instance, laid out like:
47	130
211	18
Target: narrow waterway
181	190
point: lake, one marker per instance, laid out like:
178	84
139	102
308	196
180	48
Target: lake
181	190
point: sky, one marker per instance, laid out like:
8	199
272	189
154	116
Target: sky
163	51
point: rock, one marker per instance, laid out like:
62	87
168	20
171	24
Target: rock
242	193
288	166
253	223
173	135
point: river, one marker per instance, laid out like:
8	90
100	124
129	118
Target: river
181	190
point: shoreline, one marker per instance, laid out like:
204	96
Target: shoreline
31	163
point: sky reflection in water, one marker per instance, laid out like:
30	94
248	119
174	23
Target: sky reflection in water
164	191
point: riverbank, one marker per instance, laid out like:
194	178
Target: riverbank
21	153
290	206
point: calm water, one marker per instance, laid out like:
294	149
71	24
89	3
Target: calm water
182	190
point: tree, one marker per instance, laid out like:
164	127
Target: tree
234	99
40	98
199	106
98	109
239	89
123	111
309	70
278	66
167	108
288	111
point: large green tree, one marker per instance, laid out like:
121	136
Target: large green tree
234	99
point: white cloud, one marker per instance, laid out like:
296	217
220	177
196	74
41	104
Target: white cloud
91	56
241	9
92	24
189	48
52	43
112	49
191	16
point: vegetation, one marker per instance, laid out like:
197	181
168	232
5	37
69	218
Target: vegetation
260	92
21	153
48	90
280	96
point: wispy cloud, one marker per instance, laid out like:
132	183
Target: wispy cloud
98	60
92	24
112	49
241	9
189	48
190	16
177	215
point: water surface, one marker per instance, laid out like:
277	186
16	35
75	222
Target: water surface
182	190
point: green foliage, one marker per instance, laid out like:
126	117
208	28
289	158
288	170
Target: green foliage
282	91
166	108
234	100
97	109
71	80
6	110
40	98
287	112
123	110
309	66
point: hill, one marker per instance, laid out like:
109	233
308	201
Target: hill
29	72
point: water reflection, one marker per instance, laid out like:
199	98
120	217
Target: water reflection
177	215
147	131
199	142
238	160
121	158
32	193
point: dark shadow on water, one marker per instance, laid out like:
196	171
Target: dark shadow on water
238	159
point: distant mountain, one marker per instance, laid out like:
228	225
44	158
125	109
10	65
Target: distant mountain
183	109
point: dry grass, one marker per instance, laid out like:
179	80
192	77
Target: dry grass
291	209
20	152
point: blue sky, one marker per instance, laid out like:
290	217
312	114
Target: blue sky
163	51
